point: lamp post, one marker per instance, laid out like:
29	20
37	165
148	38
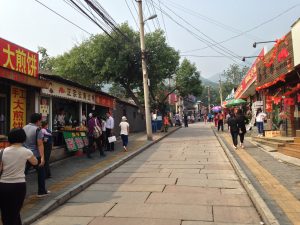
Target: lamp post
261	42
208	97
144	69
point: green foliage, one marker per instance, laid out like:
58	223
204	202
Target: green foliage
188	79
45	62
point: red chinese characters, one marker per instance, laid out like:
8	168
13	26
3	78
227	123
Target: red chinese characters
19	59
18	107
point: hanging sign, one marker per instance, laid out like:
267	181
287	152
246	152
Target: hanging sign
69	92
105	101
17	58
17	107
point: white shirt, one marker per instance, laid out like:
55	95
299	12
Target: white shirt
124	127
103	125
14	159
260	117
110	123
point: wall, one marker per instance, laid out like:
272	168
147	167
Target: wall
136	120
296	42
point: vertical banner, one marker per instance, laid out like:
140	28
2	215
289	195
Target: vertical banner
17	107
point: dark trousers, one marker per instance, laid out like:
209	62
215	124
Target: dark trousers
124	139
47	150
234	136
41	176
242	136
98	142
220	125
12	196
186	123
109	146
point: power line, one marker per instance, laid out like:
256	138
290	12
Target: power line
150	14
138	13
132	15
249	30
62	17
207	42
162	16
205	56
157	20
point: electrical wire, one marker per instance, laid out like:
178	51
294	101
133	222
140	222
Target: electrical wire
132	15
162	16
154	10
63	17
150	14
249	30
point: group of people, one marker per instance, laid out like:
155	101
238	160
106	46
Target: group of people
31	146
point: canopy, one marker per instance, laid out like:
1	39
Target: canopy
236	102
216	108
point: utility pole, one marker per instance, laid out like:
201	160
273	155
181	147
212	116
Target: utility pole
145	73
221	95
208	97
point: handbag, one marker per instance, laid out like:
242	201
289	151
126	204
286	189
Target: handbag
1	162
112	139
97	130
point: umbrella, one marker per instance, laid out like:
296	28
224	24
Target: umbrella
216	108
236	102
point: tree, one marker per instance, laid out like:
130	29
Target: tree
45	62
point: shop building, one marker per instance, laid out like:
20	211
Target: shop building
19	87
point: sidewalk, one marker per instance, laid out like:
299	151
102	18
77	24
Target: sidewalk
185	179
70	172
276	181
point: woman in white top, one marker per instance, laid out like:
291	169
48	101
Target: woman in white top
260	116
12	180
124	132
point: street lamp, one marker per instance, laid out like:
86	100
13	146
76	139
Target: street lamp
261	42
144	69
246	57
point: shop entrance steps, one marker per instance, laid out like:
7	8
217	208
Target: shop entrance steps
292	149
274	142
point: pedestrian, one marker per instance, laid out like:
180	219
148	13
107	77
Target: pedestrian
205	118
12	180
216	120
166	123
103	122
94	134
34	142
110	123
177	120
227	118
241	120
220	121
47	147
185	118
260	116
124	125
233	128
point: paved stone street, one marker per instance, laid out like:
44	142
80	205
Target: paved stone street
184	179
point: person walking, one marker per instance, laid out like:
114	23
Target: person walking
103	122
124	125
185	119
34	142
241	120
205	118
12	180
233	128
220	119
47	147
110	123
227	118
94	134
260	116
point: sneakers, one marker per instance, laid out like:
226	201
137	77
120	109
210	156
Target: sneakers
125	149
235	148
43	195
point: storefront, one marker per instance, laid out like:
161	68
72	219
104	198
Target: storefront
19	86
278	86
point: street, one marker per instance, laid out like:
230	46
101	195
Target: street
184	179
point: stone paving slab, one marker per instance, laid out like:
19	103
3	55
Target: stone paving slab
84	209
208	183
188	175
127	187
116	180
230	214
154	181
189	189
64	220
133	221
213	223
185	171
110	197
163	211
126	175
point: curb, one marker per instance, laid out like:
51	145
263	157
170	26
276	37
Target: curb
61	199
257	200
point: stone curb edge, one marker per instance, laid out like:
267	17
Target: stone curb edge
257	200
61	199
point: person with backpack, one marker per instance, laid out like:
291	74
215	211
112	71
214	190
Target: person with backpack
234	130
94	135
12	178
34	142
220	118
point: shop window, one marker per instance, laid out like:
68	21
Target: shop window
3	115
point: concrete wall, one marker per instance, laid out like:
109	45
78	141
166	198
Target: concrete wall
135	119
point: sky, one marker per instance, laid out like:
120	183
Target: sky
29	24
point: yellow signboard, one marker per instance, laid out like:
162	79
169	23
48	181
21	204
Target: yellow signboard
17	107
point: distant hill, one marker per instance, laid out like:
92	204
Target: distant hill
208	82
215	78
